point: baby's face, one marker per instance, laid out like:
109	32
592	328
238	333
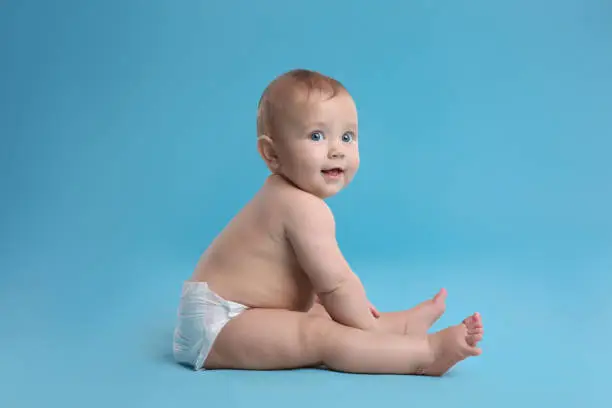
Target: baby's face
318	147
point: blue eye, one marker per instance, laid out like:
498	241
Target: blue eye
316	136
347	137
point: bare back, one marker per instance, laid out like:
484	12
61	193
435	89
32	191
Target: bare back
251	261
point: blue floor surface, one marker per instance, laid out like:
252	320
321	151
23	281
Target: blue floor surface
104	339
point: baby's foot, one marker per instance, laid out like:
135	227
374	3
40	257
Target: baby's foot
420	318
455	344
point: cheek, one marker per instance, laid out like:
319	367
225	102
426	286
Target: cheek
311	155
355	159
303	162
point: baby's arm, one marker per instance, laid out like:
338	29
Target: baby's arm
310	228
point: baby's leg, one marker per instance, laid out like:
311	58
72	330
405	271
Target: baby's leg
416	320
263	339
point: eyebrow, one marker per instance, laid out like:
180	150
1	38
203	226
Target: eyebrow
317	125
322	125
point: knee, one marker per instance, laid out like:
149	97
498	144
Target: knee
315	336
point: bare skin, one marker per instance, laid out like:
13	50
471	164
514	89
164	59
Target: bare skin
296	331
455	344
419	319
279	257
265	339
414	321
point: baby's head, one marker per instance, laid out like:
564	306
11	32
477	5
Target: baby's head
307	132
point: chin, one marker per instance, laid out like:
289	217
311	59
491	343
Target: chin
329	192
322	190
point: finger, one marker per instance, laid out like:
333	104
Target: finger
375	312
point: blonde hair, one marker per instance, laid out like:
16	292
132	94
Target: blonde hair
284	89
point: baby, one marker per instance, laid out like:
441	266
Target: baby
273	290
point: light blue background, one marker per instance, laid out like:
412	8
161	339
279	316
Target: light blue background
128	141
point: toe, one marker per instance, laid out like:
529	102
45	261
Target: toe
473	339
474	321
440	296
469	321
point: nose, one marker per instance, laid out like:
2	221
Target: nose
335	153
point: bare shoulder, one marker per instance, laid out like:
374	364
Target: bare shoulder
309	227
306	212
297	208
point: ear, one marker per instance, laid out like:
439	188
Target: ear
267	151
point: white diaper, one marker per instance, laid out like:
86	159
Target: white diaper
201	316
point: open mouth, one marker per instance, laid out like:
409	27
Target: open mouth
334	172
